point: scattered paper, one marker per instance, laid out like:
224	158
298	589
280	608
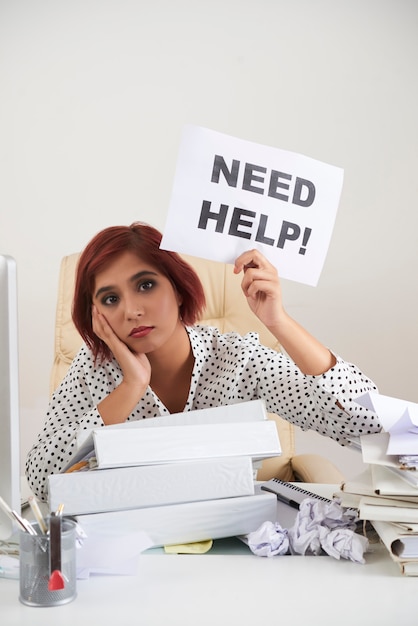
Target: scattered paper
107	551
320	528
399	418
374	450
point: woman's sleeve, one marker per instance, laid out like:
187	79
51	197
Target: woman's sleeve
72	408
325	403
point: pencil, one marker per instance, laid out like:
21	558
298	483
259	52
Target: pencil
37	513
24	524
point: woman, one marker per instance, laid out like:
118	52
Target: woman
136	306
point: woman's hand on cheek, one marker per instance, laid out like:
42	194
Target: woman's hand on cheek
136	368
100	325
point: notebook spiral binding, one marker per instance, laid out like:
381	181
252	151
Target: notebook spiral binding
293	494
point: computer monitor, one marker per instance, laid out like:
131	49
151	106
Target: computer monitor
9	394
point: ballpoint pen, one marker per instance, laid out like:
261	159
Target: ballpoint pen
281	498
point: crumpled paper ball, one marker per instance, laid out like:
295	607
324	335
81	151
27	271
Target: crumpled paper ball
329	527
269	540
320	527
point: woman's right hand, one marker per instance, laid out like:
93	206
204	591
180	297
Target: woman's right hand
136	367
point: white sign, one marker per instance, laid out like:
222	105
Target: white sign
232	195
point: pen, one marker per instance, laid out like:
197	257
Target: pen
37	513
59	509
288	501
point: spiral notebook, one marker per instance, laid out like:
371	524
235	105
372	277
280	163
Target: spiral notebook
290	493
289	498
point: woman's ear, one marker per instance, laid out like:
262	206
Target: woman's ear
179	303
179	298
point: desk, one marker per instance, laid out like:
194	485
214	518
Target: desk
235	590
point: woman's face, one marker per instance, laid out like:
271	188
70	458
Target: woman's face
140	304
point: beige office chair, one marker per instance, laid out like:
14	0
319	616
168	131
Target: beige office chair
227	309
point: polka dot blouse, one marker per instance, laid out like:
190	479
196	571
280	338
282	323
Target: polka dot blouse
228	368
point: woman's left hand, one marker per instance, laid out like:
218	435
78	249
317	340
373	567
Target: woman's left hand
261	287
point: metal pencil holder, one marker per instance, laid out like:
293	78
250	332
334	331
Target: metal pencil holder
35	571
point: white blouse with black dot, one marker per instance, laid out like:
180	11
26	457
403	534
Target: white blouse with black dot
228	368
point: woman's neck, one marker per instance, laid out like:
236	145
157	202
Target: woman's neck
171	372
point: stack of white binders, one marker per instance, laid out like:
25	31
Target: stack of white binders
180	478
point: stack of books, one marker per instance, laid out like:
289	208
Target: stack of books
180	478
386	495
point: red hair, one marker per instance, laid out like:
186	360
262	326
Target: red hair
143	240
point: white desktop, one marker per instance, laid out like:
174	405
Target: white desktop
233	587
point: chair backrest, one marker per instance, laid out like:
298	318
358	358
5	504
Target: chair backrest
226	308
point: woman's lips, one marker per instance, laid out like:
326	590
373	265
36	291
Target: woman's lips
141	331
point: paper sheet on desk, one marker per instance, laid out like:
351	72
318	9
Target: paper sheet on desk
399	418
111	553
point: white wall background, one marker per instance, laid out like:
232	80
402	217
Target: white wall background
93	97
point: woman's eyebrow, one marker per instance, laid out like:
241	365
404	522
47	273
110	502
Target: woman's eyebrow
133	278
